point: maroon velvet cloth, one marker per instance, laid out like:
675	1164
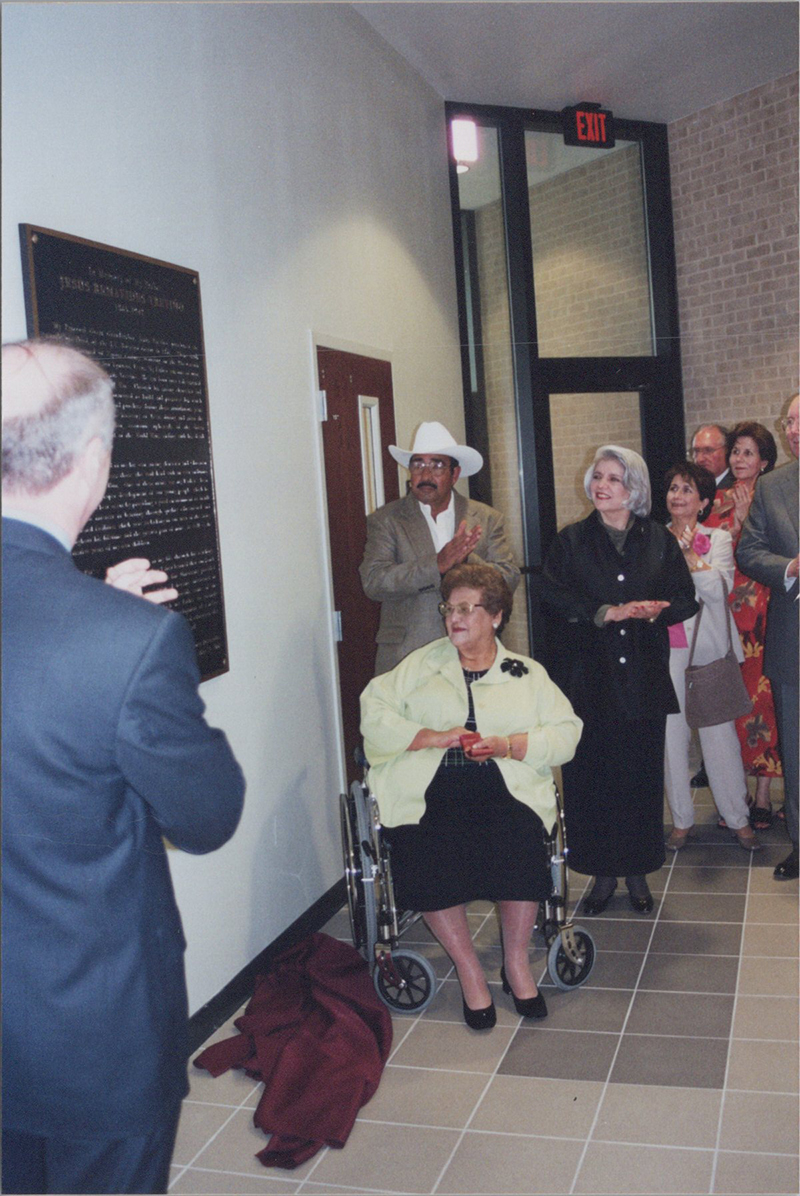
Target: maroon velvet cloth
317	1034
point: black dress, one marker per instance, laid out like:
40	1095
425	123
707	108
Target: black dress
617	679
474	841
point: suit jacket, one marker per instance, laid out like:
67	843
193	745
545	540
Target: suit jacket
769	541
623	666
717	619
399	570
427	689
105	750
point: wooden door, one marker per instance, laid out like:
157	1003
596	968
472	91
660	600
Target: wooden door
355	435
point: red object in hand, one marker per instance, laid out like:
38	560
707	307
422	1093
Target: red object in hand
468	739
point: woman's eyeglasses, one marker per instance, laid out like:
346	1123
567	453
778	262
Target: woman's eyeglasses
461	608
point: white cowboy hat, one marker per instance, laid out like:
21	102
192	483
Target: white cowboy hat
433	437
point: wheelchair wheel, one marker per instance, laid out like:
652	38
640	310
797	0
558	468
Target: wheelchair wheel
405	981
360	896
570	963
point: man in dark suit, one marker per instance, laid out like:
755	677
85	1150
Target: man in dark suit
412	542
105	751
768	552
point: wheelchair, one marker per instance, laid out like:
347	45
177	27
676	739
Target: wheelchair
404	979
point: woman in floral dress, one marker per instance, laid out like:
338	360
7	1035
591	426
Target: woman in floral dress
751	452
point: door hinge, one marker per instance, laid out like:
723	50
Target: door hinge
337	626
323	405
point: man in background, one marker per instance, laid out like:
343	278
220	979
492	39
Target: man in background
413	541
768	552
709	449
106	750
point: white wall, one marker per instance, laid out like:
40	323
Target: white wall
299	165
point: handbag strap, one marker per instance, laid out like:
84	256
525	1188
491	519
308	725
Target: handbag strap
697	622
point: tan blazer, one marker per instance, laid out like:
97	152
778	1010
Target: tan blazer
399	570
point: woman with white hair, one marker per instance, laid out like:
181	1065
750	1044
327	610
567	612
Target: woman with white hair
616	581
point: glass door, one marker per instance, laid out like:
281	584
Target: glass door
573	247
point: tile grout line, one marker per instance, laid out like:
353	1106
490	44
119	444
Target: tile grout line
478	1103
216	1133
416	1020
484	1090
715	1159
612	1064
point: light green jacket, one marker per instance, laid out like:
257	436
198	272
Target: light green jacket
427	689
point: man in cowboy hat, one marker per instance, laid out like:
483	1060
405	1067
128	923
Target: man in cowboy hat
413	541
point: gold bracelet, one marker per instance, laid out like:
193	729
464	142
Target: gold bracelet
508	754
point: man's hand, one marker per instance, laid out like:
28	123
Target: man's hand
134	574
792	568
458	549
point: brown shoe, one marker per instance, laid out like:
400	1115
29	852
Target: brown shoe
678	838
747	839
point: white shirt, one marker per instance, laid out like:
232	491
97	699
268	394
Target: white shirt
444	527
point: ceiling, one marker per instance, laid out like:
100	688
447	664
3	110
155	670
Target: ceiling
649	61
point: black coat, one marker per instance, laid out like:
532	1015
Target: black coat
624	666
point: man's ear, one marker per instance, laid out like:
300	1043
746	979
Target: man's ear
456	473
94	458
92	467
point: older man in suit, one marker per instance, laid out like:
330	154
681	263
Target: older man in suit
106	750
412	542
709	449
768	552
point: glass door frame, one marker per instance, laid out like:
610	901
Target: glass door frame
657	377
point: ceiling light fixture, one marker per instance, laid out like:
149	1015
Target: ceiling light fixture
464	139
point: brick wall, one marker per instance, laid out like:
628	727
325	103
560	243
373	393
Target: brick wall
590	269
581	423
500	406
734	170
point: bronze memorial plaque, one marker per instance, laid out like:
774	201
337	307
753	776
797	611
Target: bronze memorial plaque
141	319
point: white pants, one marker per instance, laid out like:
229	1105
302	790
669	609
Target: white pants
721	755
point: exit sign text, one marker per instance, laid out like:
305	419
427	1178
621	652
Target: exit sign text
588	124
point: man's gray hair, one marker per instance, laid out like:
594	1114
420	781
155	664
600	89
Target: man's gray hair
723	431
634	476
41	448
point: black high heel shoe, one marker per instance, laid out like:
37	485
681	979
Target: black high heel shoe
639	895
603	890
480	1019
527	1007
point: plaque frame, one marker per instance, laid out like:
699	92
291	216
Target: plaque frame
141	318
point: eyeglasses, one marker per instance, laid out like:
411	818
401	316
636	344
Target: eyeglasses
707	451
790	421
435	466
461	608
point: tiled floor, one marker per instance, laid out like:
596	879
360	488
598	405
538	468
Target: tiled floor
674	1070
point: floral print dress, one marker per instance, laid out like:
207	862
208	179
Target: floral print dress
757	731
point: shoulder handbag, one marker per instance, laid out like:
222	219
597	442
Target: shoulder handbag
715	692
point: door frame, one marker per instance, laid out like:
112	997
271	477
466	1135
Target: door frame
657	377
322	340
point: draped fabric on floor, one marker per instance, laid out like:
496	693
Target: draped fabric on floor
318	1036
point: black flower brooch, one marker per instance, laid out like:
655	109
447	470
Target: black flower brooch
515	667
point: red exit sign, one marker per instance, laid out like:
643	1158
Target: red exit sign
588	124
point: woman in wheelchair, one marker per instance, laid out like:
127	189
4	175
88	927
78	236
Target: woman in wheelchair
461	738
